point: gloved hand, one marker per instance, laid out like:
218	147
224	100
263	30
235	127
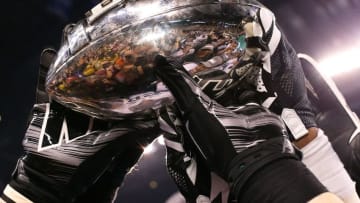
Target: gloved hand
46	59
220	134
199	114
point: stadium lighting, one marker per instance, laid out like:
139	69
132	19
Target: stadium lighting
149	149
341	62
161	140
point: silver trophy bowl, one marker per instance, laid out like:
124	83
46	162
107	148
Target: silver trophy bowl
104	67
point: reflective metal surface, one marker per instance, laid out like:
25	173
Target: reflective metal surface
104	67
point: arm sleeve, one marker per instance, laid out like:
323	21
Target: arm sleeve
281	69
289	83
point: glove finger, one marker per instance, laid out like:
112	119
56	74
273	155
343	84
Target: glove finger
46	58
178	81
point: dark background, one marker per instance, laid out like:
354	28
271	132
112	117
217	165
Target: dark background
319	28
